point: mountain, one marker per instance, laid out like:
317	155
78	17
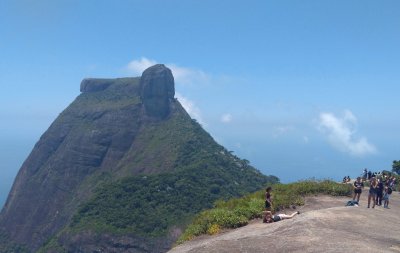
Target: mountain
122	169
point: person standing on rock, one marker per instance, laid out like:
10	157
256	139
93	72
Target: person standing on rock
386	197
268	199
369	175
358	185
379	192
373	185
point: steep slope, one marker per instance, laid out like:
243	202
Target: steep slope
125	146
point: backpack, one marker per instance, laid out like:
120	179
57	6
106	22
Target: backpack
390	190
352	203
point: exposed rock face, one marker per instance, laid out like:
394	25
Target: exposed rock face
324	225
95	84
157	90
89	137
109	134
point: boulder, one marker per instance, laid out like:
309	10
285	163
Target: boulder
157	90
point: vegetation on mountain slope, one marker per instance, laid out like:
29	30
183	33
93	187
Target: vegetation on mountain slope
7	246
197	172
396	166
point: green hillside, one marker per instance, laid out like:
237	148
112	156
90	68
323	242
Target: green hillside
123	169
151	205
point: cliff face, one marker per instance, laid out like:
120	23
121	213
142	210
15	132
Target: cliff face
90	136
117	129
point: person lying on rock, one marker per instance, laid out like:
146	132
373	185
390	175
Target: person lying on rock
269	218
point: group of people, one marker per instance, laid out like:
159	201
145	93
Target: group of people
268	217
346	179
384	176
380	189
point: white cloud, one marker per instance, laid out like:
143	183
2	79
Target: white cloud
191	108
341	133
187	75
226	118
282	130
182	75
137	67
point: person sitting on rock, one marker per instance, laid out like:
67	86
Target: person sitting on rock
269	218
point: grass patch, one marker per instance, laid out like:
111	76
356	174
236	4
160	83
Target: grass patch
238	212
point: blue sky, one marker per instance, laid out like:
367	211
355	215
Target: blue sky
300	88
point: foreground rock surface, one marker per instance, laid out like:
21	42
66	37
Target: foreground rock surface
325	225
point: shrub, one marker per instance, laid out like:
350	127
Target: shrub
213	229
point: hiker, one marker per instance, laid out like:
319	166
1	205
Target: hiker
386	196
369	175
392	183
268	199
385	179
379	193
348	179
372	192
365	172
269	218
358	186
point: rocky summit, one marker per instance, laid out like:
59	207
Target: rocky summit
122	169
157	90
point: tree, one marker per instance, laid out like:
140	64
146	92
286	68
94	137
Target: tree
396	166
245	163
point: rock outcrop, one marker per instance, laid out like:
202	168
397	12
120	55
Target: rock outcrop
324	225
95	84
157	90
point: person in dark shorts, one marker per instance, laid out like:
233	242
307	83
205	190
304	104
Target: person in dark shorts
379	193
358	186
372	191
268	199
269	218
